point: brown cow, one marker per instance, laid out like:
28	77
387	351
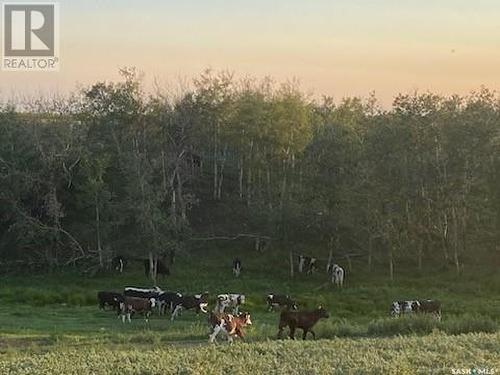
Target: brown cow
231	325
304	320
132	305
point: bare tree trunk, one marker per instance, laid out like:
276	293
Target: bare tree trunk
291	264
370	251
240	179
98	230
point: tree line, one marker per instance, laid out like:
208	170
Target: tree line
113	170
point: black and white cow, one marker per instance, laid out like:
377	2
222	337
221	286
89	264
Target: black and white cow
307	264
198	302
146	293
236	267
337	273
118	263
280	301
112	299
426	306
166	300
232	301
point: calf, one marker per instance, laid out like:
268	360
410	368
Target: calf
230	325
280	300
304	320
236	267
337	274
161	268
231	300
132	305
112	299
198	302
307	264
119	263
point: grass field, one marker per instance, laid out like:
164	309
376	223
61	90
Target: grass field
51	323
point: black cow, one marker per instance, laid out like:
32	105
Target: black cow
198	302
307	264
112	299
236	267
161	268
280	300
167	300
118	263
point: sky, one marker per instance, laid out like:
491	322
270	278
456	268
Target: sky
333	47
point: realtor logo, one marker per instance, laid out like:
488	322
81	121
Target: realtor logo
30	36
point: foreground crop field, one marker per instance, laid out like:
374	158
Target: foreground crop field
51	323
436	353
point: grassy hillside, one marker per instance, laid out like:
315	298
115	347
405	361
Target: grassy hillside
58	314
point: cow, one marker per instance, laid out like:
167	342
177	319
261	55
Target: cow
337	274
428	306
304	320
230	300
161	268
399	308
231	325
146	293
132	305
280	300
307	264
118	263
112	299
198	302
236	267
166	300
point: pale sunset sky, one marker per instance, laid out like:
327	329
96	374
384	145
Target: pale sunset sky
333	47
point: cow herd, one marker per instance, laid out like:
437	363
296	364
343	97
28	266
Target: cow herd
226	318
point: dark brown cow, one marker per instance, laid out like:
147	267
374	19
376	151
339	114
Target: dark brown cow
132	305
304	320
230	325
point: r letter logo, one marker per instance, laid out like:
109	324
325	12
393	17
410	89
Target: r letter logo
30	36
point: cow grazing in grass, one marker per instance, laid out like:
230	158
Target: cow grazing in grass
118	263
280	301
337	273
236	267
112	299
230	325
307	264
232	301
131	305
427	306
161	268
198	302
304	320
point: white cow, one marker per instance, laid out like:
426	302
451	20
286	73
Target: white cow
337	273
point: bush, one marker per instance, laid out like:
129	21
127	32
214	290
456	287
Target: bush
421	324
469	324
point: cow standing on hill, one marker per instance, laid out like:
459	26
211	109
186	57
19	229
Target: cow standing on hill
337	273
161	268
236	267
112	299
131	305
427	306
307	264
118	263
230	300
198	302
280	300
304	320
